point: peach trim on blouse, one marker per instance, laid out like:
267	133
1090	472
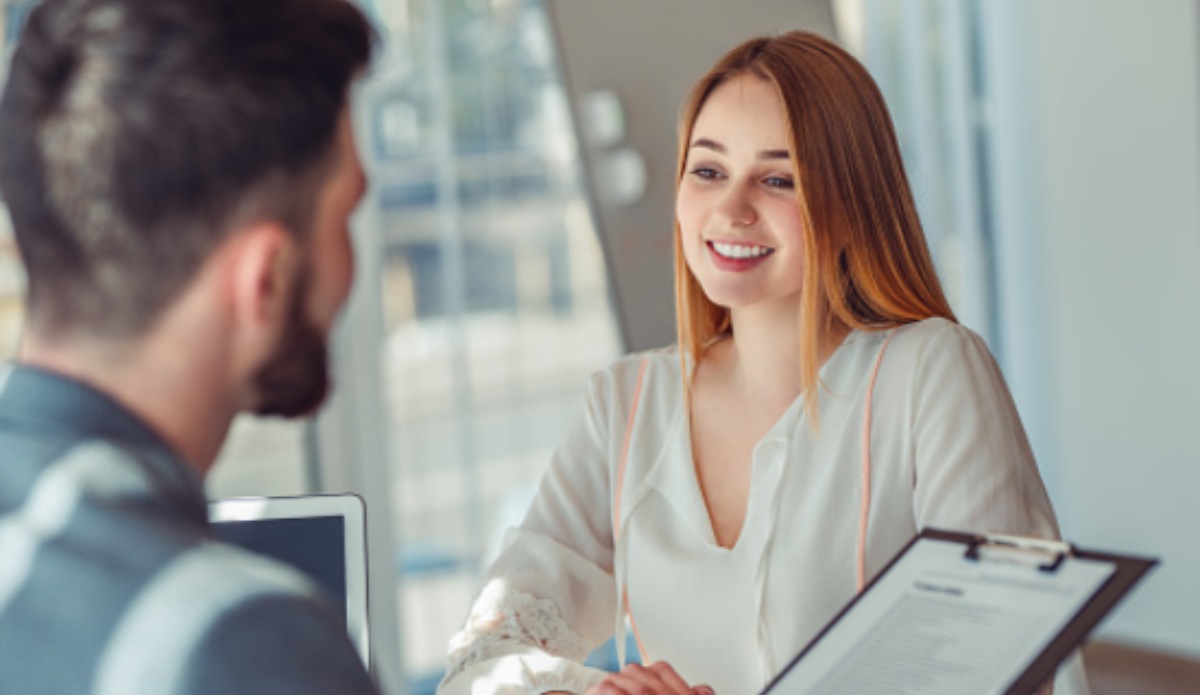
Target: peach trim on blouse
864	512
637	397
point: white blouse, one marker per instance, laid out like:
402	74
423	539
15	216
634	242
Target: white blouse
947	450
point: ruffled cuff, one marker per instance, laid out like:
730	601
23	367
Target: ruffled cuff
525	673
516	644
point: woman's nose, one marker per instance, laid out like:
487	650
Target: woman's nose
736	207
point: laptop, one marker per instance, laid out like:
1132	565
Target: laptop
324	536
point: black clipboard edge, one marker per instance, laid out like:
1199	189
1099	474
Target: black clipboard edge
1128	571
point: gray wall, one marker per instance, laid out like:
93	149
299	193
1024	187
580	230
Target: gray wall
649	52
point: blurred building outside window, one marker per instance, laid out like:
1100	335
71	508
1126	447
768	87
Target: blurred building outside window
493	293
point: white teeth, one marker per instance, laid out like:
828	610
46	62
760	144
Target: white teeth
740	250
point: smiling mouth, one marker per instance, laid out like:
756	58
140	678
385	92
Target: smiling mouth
740	251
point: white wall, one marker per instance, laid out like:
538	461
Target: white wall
1116	149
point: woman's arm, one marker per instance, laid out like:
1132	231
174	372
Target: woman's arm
549	597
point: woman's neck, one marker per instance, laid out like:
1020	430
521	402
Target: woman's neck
763	352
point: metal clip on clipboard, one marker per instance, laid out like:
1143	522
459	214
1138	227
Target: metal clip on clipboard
1047	555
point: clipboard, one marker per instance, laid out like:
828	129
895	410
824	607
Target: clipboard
964	613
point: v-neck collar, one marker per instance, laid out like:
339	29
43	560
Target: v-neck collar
673	472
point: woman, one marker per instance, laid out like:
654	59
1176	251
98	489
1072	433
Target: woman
724	499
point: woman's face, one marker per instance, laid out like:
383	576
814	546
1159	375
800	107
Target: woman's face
738	214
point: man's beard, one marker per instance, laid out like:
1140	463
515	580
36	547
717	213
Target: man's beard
295	380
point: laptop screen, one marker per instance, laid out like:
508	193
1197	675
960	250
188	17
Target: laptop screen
323	536
315	546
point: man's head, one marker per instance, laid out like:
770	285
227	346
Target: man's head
138	136
294	378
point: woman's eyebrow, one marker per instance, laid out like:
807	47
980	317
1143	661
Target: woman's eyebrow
708	144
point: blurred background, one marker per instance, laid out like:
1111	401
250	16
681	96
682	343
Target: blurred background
517	233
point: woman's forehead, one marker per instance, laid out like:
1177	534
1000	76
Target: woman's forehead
744	113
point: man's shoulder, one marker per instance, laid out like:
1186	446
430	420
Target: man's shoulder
277	642
219	616
90	519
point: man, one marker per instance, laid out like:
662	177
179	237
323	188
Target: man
179	175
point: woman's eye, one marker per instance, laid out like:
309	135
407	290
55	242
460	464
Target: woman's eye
705	173
781	182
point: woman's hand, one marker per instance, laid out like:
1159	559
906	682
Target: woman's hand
656	679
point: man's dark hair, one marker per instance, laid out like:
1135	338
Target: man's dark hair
134	133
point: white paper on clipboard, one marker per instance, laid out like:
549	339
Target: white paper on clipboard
938	622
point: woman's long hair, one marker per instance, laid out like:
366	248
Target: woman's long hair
866	263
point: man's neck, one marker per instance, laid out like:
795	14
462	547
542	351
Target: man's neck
169	390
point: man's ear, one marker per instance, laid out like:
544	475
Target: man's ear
264	267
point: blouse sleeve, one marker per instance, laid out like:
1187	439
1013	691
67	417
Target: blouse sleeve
973	467
549	597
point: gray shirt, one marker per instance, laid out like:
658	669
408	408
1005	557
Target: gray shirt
110	582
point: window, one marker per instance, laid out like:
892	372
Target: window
492	292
